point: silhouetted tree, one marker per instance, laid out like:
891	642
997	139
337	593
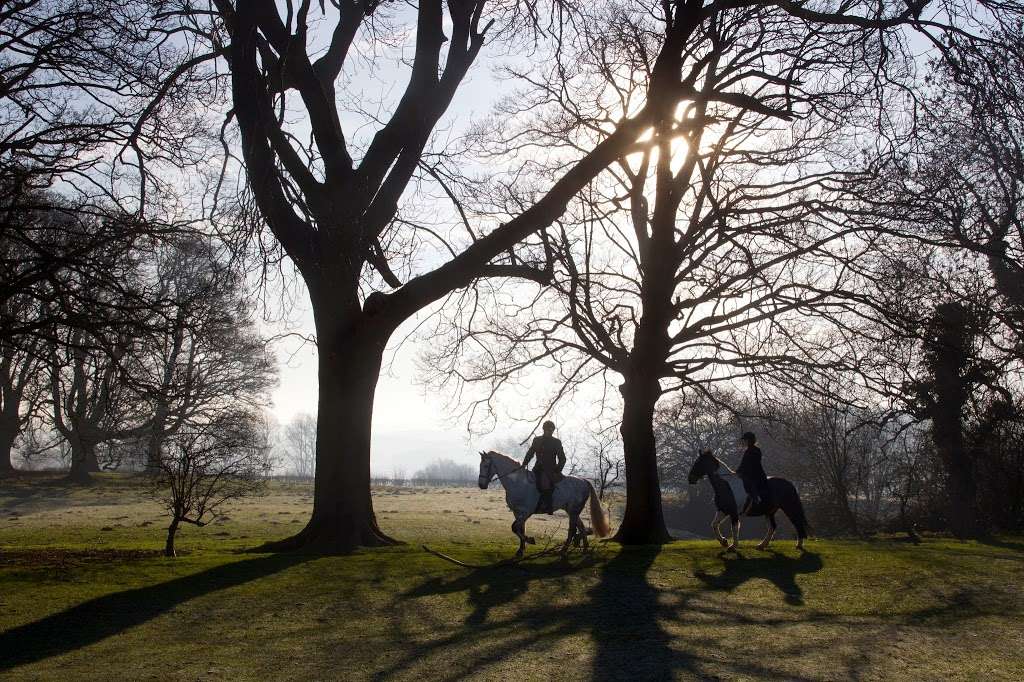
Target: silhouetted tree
19	389
446	470
334	206
723	251
941	358
207	353
208	464
299	444
954	370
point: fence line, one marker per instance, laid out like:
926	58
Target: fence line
386	482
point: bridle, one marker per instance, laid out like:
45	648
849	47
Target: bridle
705	470
495	474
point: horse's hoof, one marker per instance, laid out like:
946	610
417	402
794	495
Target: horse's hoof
531	541
762	546
519	554
731	548
723	542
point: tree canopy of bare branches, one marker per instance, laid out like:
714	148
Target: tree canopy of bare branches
723	249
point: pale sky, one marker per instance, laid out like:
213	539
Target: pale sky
410	427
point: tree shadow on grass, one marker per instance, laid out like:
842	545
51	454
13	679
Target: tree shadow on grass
1003	543
778	569
28	492
624	615
109	615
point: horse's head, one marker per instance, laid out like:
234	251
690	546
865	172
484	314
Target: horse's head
486	470
705	464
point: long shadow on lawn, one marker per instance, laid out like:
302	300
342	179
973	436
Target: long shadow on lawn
777	568
103	617
624	615
1003	543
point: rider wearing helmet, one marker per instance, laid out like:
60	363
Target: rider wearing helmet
548	469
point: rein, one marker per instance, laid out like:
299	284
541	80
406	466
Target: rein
498	476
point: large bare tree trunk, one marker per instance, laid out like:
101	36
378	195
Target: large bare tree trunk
83	460
154	453
155	443
643	522
7	438
172	530
949	362
350	352
961	493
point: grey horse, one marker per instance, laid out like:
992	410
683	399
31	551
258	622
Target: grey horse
521	494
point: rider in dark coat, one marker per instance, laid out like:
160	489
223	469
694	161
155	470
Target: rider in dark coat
751	472
548	469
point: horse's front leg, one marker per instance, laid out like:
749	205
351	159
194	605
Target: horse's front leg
770	533
716	525
519	528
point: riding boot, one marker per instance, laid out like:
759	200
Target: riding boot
546	503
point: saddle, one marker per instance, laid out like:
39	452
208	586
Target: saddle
760	508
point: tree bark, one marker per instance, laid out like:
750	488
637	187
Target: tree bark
83	460
171	532
962	495
643	522
7	438
350	353
11	394
949	362
154	447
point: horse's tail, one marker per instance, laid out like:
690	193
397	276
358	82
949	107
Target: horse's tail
797	515
598	516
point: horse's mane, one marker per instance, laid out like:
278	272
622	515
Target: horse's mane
498	455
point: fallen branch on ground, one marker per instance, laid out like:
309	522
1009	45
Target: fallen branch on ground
548	551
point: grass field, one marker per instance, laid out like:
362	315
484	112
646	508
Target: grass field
85	595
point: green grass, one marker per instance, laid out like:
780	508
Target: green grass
81	602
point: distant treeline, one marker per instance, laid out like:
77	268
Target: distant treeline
388	482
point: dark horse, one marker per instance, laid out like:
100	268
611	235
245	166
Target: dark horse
728	489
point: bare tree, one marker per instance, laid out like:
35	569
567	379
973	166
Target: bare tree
19	388
721	252
207	352
943	356
206	465
603	456
299	445
445	470
333	203
398	473
961	182
80	82
90	399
